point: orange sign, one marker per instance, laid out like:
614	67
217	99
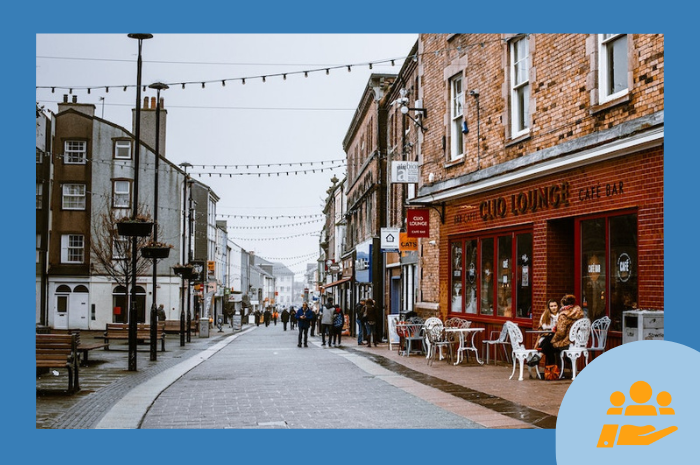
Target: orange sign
407	244
211	265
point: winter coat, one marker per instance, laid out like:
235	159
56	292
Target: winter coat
371	314
567	316
308	315
326	315
338	318
285	316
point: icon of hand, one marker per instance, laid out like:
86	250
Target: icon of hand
631	435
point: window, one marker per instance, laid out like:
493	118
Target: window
492	275
72	248
73	197
39	195
457	118
120	246
121	194
612	66
122	149
75	152
520	87
39	156
608	267
38	247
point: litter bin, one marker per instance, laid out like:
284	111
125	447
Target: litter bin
642	325
203	327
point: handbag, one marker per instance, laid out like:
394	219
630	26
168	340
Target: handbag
551	372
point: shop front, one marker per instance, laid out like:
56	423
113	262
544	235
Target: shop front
594	230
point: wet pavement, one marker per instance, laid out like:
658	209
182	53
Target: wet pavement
258	379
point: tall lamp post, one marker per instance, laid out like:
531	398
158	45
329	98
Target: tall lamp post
184	166
137	149
158	86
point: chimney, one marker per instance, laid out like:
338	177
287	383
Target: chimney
153	103
148	124
145	103
85	108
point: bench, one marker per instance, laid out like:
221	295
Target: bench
173	326
59	351
143	333
83	347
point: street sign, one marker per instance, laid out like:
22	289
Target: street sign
408	244
390	239
405	172
418	222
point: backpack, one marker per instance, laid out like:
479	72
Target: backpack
338	320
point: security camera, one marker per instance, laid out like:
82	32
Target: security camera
474	93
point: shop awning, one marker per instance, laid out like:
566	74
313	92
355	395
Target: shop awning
335	283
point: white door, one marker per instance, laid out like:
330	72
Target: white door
60	314
78	313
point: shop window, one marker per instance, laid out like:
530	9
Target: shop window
608	282
493	272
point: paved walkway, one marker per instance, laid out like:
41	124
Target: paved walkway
252	379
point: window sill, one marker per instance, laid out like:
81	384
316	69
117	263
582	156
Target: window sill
519	139
609	104
453	163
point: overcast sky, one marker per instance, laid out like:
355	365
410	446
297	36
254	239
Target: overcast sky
294	120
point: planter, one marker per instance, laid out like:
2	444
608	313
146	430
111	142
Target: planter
185	272
155	252
134	228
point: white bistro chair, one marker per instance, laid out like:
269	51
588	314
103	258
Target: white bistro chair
578	335
519	352
497	339
599	334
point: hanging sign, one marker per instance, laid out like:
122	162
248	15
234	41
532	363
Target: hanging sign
404	172
390	239
418	222
407	244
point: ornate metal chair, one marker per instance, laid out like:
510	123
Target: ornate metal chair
414	334
578	335
599	334
497	339
429	323
435	339
519	352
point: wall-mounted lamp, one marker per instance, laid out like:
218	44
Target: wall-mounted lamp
432	242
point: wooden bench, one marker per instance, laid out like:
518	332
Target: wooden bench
59	351
173	326
83	347
143	333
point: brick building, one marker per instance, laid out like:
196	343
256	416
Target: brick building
545	153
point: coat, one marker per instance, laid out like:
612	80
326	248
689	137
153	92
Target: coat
326	315
372	314
285	316
567	316
309	316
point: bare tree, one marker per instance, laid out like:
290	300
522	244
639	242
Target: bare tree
113	252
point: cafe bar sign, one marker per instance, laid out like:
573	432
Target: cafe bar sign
418	222
541	198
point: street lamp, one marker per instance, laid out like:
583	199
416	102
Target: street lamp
158	86
134	251
183	165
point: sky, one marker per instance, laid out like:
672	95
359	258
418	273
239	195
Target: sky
287	123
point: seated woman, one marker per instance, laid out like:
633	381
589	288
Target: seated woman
548	321
567	316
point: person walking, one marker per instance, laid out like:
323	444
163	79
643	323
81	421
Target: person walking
305	317
275	316
372	316
326	321
313	321
292	317
285	318
359	319
267	316
256	314
336	327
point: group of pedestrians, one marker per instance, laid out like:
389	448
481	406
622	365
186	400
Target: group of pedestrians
366	316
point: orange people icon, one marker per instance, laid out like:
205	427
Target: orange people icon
631	435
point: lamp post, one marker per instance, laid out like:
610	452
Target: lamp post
184	166
137	146
189	260
158	86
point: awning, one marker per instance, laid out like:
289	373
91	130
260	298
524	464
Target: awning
335	283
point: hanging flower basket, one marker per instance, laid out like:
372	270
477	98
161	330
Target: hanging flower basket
156	250
184	271
138	226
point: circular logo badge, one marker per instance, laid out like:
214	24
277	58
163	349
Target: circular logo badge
624	267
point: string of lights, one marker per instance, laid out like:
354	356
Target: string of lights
308	255
276	217
265	77
312	233
276	226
